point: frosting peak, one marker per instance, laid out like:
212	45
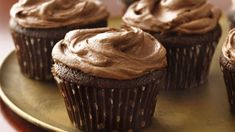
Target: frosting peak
228	48
57	13
121	54
181	16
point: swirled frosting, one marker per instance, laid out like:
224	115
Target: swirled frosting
179	16
124	53
228	48
57	13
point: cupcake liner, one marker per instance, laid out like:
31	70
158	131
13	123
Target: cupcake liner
107	109
34	55
229	79
189	57
188	67
34	46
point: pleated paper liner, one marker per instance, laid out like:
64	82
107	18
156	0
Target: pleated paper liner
188	58
93	109
229	79
188	67
34	56
108	107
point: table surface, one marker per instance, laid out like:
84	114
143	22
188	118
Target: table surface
9	121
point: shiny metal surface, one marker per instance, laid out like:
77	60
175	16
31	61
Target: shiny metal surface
205	109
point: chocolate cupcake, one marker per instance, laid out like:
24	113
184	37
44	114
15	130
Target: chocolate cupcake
231	16
188	29
109	78
36	25
227	64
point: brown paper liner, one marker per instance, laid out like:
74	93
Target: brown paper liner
107	109
188	67
34	46
229	79
188	57
34	55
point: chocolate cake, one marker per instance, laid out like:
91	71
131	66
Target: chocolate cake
189	30
37	25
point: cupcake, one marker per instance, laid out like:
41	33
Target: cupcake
36	25
189	30
227	64
231	16
109	78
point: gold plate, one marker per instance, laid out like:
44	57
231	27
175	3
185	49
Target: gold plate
204	109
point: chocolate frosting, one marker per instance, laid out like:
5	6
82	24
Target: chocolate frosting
57	13
178	16
228	48
121	54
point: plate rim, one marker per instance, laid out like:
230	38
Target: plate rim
19	111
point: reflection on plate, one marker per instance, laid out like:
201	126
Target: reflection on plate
204	109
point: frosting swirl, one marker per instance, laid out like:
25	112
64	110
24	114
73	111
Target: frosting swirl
228	48
124	53
57	13
179	16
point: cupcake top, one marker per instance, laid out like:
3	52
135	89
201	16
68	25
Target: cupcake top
124	53
228	48
57	13
177	16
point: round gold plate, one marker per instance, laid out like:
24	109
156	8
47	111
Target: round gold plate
204	109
